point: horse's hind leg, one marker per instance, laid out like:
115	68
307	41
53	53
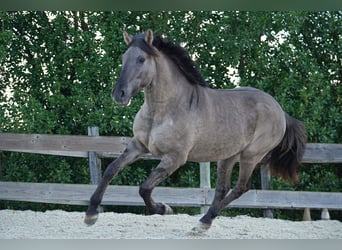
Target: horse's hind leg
245	172
131	153
167	165
224	174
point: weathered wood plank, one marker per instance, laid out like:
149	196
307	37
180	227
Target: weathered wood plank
117	154
314	153
205	180
94	161
265	174
322	153
112	146
78	194
61	144
51	152
288	199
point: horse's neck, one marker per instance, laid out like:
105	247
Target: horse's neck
168	87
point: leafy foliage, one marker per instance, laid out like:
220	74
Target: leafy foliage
57	70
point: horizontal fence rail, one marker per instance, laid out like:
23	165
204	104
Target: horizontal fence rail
113	146
64	145
78	194
95	147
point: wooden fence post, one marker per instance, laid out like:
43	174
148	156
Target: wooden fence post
205	180
94	161
265	185
325	214
307	214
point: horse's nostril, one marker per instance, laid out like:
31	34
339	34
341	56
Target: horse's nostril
122	93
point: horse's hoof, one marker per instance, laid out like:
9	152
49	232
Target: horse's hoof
201	228
91	219
167	209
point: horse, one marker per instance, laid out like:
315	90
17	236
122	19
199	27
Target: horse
183	119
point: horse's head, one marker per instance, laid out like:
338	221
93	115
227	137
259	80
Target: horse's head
138	67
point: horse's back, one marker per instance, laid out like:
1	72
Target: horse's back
242	99
246	100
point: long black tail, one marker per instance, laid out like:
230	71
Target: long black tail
286	157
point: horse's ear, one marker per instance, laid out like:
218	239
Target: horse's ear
149	36
127	37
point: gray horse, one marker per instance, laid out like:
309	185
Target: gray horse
182	119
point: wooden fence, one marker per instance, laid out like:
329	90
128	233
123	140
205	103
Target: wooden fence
96	147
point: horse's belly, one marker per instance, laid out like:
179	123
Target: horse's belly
215	152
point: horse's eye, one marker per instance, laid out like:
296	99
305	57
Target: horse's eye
140	59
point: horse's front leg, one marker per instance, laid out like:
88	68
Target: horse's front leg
133	150
167	165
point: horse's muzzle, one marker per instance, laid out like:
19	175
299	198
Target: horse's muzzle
121	97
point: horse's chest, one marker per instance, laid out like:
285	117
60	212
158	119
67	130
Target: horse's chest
161	136
159	132
158	137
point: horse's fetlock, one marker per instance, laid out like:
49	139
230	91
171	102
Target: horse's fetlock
167	209
209	216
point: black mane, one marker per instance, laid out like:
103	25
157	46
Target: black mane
176	53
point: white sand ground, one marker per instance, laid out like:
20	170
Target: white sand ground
58	224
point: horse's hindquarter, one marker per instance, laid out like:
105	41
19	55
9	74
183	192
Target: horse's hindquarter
231	120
